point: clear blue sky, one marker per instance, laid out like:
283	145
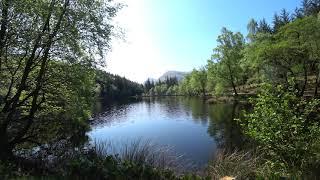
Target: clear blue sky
179	35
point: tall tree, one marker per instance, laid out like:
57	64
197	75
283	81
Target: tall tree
264	27
199	81
228	55
310	7
276	22
291	55
280	20
285	16
298	14
33	34
252	28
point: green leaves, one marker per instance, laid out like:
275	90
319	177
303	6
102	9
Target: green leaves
225	62
284	125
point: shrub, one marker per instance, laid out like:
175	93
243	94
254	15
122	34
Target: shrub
286	128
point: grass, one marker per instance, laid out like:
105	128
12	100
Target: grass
142	159
145	152
238	164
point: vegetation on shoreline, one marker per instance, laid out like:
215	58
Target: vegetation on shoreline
112	87
285	53
284	121
49	79
286	127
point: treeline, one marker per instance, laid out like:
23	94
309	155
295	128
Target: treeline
167	87
285	52
112	87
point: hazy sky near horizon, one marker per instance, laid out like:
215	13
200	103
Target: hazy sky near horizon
163	35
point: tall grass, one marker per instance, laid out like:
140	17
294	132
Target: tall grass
145	152
237	164
147	157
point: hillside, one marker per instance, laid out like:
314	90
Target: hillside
171	74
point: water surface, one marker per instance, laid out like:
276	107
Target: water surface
188	125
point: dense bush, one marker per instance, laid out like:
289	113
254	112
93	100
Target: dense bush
286	127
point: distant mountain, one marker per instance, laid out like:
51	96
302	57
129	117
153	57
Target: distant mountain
171	74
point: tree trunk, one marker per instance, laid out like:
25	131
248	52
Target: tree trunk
305	79
34	104
3	29
204	92
317	85
234	89
5	148
231	80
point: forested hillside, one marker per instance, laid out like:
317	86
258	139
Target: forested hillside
112	87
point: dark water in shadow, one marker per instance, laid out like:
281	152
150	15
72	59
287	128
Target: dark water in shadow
188	125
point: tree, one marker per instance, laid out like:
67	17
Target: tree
198	81
252	28
280	20
114	87
285	16
264	27
292	52
228	55
212	77
303	39
148	85
185	86
33	34
298	14
310	7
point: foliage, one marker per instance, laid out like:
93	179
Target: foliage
286	127
198	81
112	87
34	37
184	86
148	85
49	54
227	56
168	87
68	105
310	7
288	49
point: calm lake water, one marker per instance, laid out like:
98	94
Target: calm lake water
189	126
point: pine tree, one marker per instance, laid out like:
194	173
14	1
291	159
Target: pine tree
310	7
298	14
285	17
276	22
264	27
